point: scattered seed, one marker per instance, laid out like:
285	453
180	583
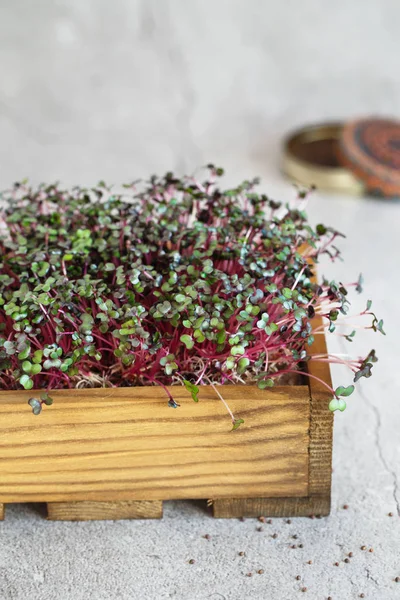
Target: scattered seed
371	550
390	514
336	564
311	516
362	595
350	554
274	535
191	561
329	598
304	589
261	519
260	571
241	519
319	516
288	521
207	536
293	546
260	529
269	521
294	537
249	574
298	577
397	579
363	547
242	553
345	506
346	560
301	546
309	562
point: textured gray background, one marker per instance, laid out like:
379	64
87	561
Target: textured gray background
94	89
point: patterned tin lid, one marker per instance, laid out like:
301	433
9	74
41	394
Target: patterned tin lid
370	148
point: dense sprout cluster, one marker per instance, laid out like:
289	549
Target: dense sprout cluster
175	281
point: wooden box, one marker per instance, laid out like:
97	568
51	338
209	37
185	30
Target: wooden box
119	452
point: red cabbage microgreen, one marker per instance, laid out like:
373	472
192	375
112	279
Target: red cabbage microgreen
174	281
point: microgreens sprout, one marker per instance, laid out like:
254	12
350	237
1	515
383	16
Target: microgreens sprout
173	281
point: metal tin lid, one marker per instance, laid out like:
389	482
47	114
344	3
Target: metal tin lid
311	158
370	148
362	156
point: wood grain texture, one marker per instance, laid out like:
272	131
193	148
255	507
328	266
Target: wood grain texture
321	426
101	511
315	368
2	511
127	444
271	507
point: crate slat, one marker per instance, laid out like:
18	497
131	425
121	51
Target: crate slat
100	511
127	444
271	507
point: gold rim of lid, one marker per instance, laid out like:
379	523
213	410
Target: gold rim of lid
311	158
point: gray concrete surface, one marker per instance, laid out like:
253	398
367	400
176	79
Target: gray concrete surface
116	90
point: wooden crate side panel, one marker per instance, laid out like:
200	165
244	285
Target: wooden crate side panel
127	444
321	427
319	369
